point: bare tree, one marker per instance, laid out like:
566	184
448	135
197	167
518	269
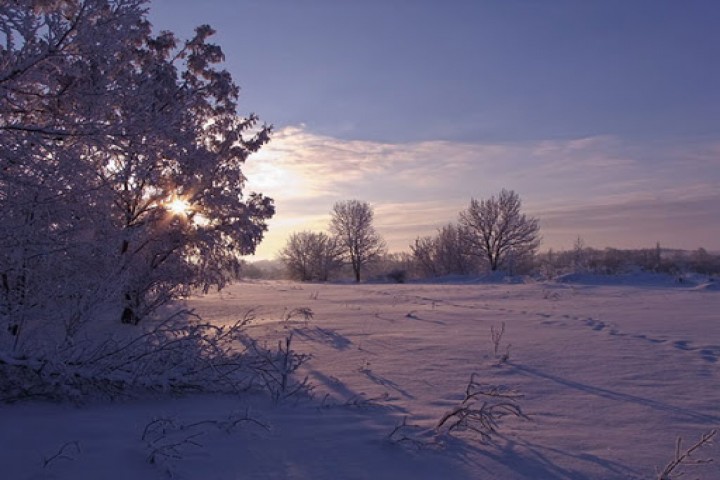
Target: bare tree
444	254
496	230
452	253
311	256
424	251
579	256
351	224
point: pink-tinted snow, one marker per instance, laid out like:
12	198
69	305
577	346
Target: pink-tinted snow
611	375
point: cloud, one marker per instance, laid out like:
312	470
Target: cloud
602	188
314	165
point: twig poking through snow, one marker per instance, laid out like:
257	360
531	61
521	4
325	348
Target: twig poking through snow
167	440
482	408
405	433
361	401
305	313
496	337
275	369
684	457
62	453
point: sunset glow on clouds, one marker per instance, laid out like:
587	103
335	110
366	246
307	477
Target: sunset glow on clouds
603	115
594	187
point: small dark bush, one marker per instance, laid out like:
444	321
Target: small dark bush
397	275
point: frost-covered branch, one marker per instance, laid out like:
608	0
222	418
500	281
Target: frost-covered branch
102	126
684	457
481	410
276	369
180	354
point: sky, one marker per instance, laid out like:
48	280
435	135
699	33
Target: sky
604	116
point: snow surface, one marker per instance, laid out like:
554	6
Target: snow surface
611	375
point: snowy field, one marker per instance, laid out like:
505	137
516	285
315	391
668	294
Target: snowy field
611	373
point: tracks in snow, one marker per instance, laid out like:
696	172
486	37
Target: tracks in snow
708	353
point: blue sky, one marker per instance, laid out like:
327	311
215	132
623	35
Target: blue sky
603	115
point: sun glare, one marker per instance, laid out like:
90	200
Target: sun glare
178	206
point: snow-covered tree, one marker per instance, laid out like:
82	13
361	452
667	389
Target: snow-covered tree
495	229
121	157
352	224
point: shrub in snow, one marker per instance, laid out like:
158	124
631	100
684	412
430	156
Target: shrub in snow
181	354
275	369
481	410
397	276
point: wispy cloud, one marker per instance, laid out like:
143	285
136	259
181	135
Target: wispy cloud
599	187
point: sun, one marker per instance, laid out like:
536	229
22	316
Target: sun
179	207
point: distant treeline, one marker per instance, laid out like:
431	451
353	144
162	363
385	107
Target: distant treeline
491	236
613	261
405	266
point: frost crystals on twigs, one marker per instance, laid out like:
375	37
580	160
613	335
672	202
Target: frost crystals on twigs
481	410
180	354
276	368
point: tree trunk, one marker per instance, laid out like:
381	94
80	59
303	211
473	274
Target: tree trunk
129	314
493	262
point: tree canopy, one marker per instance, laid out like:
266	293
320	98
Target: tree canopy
495	230
311	256
121	156
352	224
